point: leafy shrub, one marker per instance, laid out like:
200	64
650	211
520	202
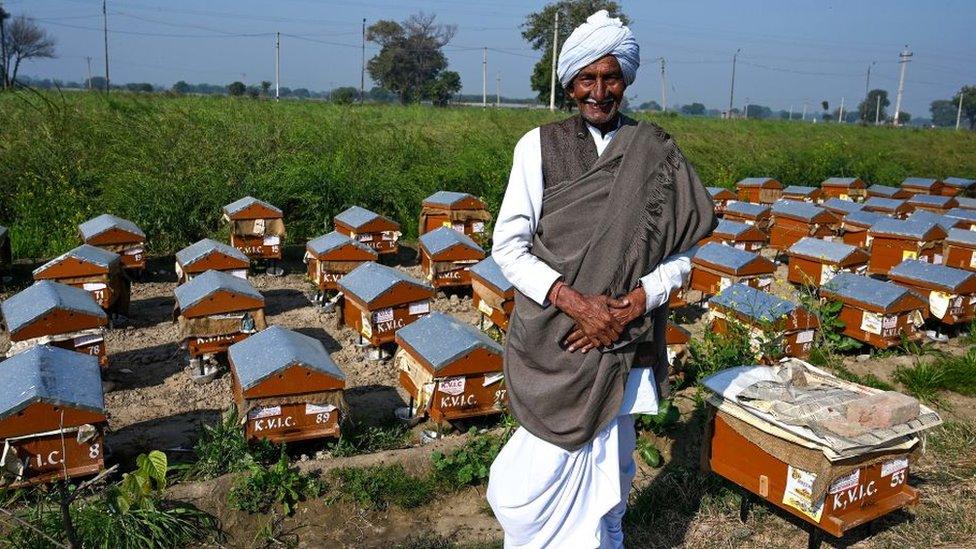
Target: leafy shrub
715	352
923	380
263	487
222	449
944	373
660	423
380	486
649	453
359	439
469	464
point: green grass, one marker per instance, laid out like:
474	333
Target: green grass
170	163
944	373
264	487
380	486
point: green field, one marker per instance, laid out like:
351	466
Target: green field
170	163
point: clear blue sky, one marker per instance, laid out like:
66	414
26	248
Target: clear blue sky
791	51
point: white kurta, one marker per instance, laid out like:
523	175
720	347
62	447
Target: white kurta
543	495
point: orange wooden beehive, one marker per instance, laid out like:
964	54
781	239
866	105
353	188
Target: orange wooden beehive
814	261
52	416
372	229
493	294
932	203
676	339
886	191
841	207
803	193
256	227
379	300
446	257
950	292
215	310
942	220
966	202
960	249
758	215
875	312
967	218
58	315
210	255
794	220
286	386
721	197
93	269
760	190
460	211
958	186
738	235
844	188
895	240
117	235
922	185
854	227
892	207
717	266
778	327
332	256
450	369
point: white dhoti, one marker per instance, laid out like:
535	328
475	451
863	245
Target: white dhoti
545	496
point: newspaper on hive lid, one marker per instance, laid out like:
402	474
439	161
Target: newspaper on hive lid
804	404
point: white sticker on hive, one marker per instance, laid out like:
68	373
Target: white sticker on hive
272	241
799	488
319	409
94	286
367	327
909	254
917	319
844	197
806	336
972	260
459	227
939	303
827	272
484	307
264	411
846	482
890	321
453	386
871	322
383	315
867	240
419	308
724	283
365	237
740	245
258	226
478	227
893	466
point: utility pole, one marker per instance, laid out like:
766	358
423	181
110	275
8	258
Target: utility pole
362	72
877	110
105	36
3	45
745	108
804	117
277	66
790	117
903	59
498	89
959	110
484	79
552	77
732	87
867	83
88	59
840	112
664	88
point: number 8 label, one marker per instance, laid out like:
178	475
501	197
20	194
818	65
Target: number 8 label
93	451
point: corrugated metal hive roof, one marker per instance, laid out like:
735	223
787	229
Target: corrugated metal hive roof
446	198
961	236
746	208
53	375
865	289
846	206
275	349
442	238
33	302
247	202
761	307
202	248
883	190
200	287
753	181
370	280
922	271
85	253
356	216
800	189
796	208
916	228
732	228
833	252
441	339
490	271
326	243
106	222
720	254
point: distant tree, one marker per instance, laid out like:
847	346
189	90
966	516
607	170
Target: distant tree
344	95
693	109
866	109
253	92
442	88
301	93
22	39
537	31
758	111
649	106
968	104
95	83
139	87
284	91
377	93
265	88
411	56
943	112
181	87
904	117
236	89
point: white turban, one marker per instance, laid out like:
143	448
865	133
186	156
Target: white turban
599	36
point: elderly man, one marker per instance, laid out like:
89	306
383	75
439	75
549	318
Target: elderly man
595	231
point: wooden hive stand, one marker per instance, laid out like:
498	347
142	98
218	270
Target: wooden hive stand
451	370
803	194
854	227
446	256
256	228
117	235
738	235
895	240
758	215
844	188
93	269
286	386
52	416
49	313
874	312
794	220
462	212
372	229
330	257
777	327
813	261
210	255
493	294
378	300
950	292
760	190
717	266
922	185
960	249
885	191
959	187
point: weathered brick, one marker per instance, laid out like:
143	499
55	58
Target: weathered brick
883	410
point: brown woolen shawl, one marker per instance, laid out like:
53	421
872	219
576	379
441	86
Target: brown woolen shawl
639	203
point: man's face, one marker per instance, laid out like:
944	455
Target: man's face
598	90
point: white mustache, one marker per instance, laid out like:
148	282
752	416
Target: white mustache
595	102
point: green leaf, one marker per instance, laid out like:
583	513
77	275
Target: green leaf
154	466
650	455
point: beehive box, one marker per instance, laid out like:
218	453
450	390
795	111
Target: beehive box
493	295
256	227
210	255
895	240
960	249
117	235
332	256
875	312
777	327
286	386
450	369
814	262
966	202
922	185
721	197
885	191
950	292
52	416
215	310
760	190
854	227
49	313
945	221
372	229
967	217
446	256
844	188
6	257
459	211
842	207
892	207
932	203
793	220
738	235
751	214
676	340
717	266
803	193
94	270
959	186
379	300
